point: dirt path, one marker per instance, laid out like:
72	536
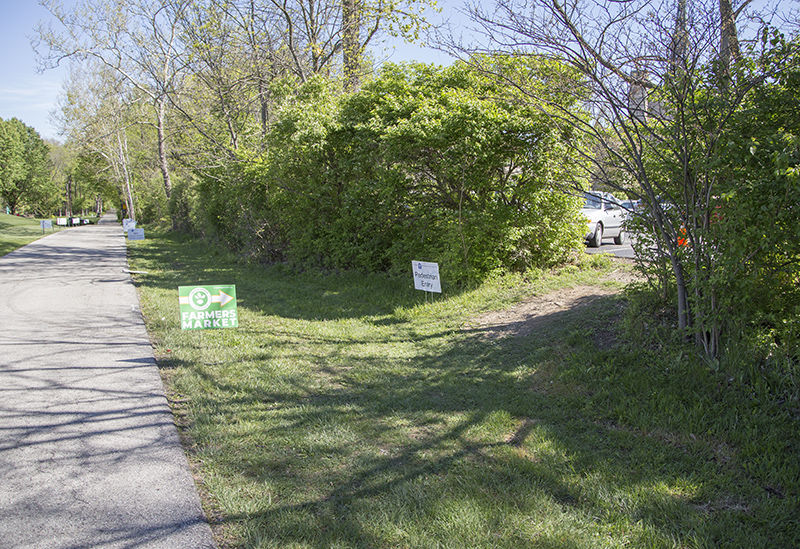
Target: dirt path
529	315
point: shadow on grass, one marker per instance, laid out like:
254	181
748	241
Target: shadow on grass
400	439
476	427
274	290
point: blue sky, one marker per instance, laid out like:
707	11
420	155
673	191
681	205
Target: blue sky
31	97
24	94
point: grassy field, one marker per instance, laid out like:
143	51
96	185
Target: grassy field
16	232
352	411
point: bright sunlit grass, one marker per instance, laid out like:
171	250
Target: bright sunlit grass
350	411
16	232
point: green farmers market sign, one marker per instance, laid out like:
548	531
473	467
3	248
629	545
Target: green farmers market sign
208	307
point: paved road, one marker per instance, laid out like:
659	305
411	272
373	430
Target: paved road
89	453
608	247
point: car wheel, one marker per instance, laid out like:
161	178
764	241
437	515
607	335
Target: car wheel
619	240
597	237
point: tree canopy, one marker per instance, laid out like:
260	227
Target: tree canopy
25	169
667	85
422	162
269	132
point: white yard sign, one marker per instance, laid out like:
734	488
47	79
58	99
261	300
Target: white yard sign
128	224
426	276
135	234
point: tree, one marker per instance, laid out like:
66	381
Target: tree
24	167
756	236
138	40
11	160
97	110
651	72
234	55
82	179
426	162
316	32
61	159
241	53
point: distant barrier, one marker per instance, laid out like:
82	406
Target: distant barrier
72	221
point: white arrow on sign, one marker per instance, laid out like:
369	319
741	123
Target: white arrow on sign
223	299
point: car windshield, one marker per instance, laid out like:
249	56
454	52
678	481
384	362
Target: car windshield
592	202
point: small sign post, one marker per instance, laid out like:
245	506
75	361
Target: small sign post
208	307
426	276
128	224
46	224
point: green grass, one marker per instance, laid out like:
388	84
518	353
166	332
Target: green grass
352	411
16	232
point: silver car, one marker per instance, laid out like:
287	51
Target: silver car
604	218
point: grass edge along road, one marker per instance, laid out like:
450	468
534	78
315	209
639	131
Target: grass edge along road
16	232
351	411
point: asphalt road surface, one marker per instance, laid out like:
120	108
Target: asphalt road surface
608	247
89	453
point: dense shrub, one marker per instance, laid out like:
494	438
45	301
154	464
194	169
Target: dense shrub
755	233
439	164
736	232
233	205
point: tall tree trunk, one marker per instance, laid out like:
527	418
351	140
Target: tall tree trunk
680	39
263	89
263	96
729	42
122	142
351	55
68	206
684	309
162	146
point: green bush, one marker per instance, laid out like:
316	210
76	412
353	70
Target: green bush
438	164
232	205
754	233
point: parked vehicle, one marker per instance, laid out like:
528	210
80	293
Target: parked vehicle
604	218
629	207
